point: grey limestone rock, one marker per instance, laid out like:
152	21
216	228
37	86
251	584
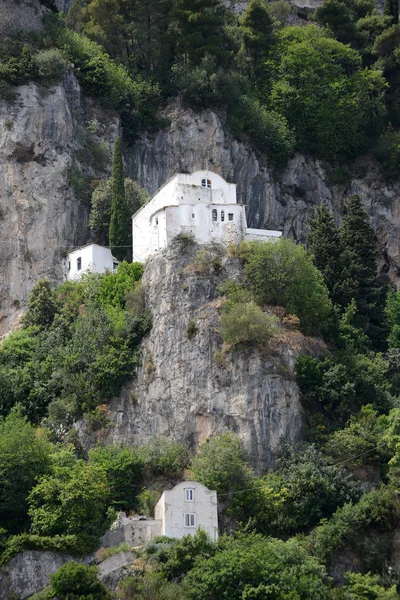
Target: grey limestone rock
187	388
29	572
39	216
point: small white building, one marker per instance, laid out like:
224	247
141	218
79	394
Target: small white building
201	204
92	257
189	506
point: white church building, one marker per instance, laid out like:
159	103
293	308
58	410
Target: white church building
201	204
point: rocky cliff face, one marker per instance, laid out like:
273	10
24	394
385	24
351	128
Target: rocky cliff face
188	388
40	217
283	201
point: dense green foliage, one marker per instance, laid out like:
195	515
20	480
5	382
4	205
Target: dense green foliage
75	581
119	218
254	566
281	273
24	456
78	347
246	323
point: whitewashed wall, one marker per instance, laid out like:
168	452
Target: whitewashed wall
172	507
94	258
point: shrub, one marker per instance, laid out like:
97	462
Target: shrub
50	64
75	581
282	273
191	329
360	441
269	129
181	556
77	545
166	457
313	488
253	566
373	508
247	324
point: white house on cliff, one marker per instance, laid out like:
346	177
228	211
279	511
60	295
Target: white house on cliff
189	506
201	204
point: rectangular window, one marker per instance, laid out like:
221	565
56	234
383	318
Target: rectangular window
189	494
214	214
79	264
230	216
189	520
222	215
69	265
115	265
193	215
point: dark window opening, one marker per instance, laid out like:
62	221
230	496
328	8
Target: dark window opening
214	215
115	265
206	183
222	215
156	220
79	264
69	265
230	216
193	215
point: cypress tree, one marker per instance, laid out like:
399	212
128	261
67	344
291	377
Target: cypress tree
257	27
360	255
119	222
326	247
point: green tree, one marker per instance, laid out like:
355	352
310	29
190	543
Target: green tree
24	456
360	256
333	105
119	219
282	273
258	36
124	470
75	581
199	30
325	246
71	499
253	566
100	213
41	306
220	464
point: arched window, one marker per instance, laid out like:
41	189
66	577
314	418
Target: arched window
214	214
206	183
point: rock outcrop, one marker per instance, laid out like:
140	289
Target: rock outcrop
283	201
188	388
29	572
40	216
26	15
